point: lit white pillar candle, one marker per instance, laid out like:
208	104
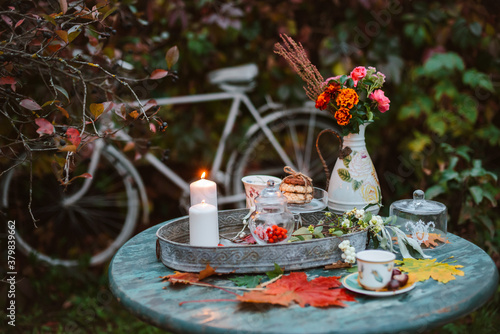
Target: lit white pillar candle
203	190
203	225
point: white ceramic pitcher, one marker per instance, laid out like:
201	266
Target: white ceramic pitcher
353	182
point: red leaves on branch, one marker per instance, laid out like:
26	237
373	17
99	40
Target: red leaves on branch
158	74
64	6
319	292
172	56
74	136
7	20
30	104
9	81
44	126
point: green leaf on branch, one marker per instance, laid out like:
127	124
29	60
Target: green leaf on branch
475	79
477	194
337	233
62	91
303	233
318	232
434	191
437	124
443	62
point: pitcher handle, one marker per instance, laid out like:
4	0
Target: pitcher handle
343	152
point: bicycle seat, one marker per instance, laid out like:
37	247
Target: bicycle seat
234	75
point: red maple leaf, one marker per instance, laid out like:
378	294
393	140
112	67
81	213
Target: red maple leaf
319	292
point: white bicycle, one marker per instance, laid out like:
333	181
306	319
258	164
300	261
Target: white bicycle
96	216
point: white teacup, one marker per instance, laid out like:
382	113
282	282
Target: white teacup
375	268
254	184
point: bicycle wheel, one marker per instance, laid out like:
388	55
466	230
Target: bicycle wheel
91	228
296	133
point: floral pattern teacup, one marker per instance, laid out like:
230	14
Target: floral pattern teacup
254	184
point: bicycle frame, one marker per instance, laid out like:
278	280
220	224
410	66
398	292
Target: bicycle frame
237	98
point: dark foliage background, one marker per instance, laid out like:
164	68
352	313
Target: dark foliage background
441	134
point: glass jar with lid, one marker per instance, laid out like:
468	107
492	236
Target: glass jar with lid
421	219
271	222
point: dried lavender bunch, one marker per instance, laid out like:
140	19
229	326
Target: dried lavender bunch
296	56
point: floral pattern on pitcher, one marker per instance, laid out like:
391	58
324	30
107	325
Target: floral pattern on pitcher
359	171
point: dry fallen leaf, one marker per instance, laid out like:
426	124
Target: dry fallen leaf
319	292
189	278
423	269
431	242
433	239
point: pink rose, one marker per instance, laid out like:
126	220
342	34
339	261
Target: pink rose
331	78
357	74
382	100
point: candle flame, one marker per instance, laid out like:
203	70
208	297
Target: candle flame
203	202
203	175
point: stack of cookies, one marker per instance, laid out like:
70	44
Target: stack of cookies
297	187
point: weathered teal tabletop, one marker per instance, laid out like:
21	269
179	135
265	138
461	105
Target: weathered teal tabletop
134	280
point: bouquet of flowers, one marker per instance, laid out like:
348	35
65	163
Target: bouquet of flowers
353	100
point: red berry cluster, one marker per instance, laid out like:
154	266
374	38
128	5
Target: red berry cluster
272	234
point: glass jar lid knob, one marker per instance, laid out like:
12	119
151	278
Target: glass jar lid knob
418	197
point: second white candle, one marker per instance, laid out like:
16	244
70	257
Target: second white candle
203	225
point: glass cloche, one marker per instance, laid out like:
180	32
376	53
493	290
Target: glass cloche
271	222
421	219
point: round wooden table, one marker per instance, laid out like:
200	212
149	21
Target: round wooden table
134	280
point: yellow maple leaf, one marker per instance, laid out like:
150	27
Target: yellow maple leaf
423	269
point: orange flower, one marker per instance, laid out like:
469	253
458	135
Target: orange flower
332	88
322	101
343	116
347	98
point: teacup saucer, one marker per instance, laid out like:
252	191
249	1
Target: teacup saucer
350	282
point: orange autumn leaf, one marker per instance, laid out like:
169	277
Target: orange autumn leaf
134	114
319	292
62	35
129	146
189	278
97	109
207	272
63	111
424	269
431	242
180	277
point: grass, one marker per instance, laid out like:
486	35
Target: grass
61	300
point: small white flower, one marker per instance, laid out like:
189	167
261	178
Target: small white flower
343	256
346	223
360	214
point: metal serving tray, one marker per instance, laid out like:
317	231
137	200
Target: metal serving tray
172	247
